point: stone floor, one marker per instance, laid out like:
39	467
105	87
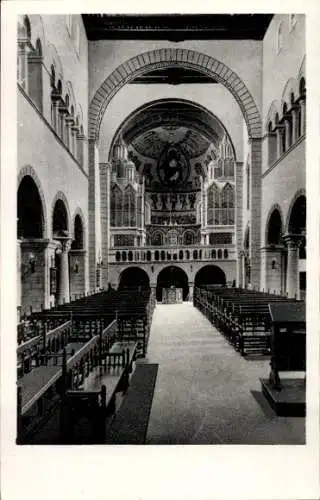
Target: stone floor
206	393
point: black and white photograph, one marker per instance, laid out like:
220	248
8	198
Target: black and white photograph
161	241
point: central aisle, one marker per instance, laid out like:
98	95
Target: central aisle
203	389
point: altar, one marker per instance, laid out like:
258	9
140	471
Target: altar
172	295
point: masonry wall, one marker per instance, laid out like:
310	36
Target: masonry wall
242	56
279	67
215	97
56	169
281	184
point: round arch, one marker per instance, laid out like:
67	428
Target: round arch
274	226
172	276
301	194
29	209
134	277
159	119
30	171
79	214
164	58
210	275
60	218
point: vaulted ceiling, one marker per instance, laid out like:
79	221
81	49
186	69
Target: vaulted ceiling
172	122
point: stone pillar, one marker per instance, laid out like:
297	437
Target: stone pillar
77	261
64	288
22	65
288	132
191	289
271	276
239	218
105	175
292	281
255	212
79	147
294	124
239	271
54	114
33	272
303	116
278	136
94	214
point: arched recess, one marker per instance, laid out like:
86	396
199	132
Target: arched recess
134	277
291	88
170	57
274	110
60	215
172	276
210	275
137	122
29	210
79	241
274	226
296	217
157	238
30	172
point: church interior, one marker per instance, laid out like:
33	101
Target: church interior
161	229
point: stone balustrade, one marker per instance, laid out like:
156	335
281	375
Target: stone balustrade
169	253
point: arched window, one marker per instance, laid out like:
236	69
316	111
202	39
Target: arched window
272	145
129	212
24	39
35	75
187	253
218	169
188	238
279	38
157	239
219	253
195	254
227	205
213	200
156	255
229	168
225	253
116	206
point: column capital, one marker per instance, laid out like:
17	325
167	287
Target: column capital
293	240
65	242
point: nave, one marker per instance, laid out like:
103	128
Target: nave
206	393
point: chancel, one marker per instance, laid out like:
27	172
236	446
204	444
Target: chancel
161	229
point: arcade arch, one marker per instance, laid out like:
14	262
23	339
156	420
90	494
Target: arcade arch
134	277
172	276
210	275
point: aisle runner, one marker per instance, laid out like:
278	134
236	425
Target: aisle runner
131	422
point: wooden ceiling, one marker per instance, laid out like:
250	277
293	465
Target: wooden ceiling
176	27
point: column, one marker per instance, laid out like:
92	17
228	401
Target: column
191	289
105	173
79	147
278	135
303	116
294	124
239	281
255	211
292	282
23	50
54	113
64	288
272	268
287	129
